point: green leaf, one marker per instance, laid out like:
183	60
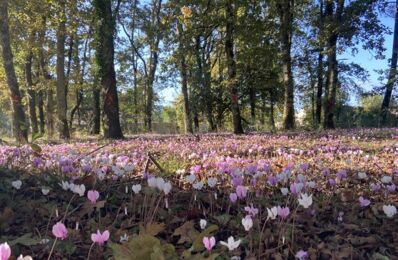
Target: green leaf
26	240
198	243
35	147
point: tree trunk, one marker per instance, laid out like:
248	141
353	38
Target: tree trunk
153	62
318	112
231	64
19	121
96	112
40	104
285	8
105	60
252	101
332	64
63	128
184	79
393	71
31	94
272	114
47	77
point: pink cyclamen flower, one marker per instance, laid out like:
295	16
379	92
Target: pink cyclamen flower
99	238
241	191
364	202
209	242
93	196
233	197
283	212
5	251
60	231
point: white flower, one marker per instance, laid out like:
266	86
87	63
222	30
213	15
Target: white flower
124	238
203	223
212	182
152	182
231	243
386	179
65	185
118	171
78	189
284	191
390	210
190	178
166	188
160	183
136	188
247	223
362	175
272	213
45	190
21	257
16	184
311	184
198	185
44	241
129	167
305	200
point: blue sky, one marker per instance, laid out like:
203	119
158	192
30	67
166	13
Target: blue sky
365	58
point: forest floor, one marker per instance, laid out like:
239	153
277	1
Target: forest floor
326	195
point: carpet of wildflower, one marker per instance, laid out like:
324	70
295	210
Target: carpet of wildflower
317	195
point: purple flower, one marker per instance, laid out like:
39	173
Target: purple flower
342	174
238	180
375	187
332	182
391	188
233	197
301	255
364	202
252	211
283	212
272	180
296	188
241	191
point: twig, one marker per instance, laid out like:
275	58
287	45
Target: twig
155	162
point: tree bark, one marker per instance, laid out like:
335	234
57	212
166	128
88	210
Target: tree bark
332	63
96	112
31	94
63	128
231	64
319	88
393	72
285	8
105	59
184	79
40	105
19	120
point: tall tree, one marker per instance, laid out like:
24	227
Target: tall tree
104	40
392	76
31	93
285	11
231	65
62	123
334	13
19	120
319	92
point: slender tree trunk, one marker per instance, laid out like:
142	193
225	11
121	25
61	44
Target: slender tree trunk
252	101
319	73
263	108
40	104
96	112
31	94
153	62
232	81
393	72
19	120
48	84
272	113
105	59
285	8
184	79
209	96
63	128
332	66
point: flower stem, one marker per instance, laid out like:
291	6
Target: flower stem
89	251
52	249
